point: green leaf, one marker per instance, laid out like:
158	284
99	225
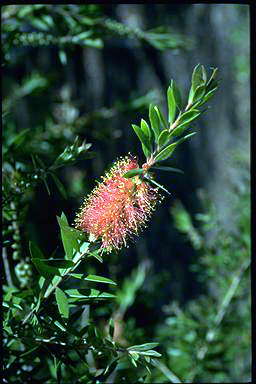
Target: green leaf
199	93
171	104
111	327
188	116
177	95
198	79
157	184
60	326
168	169
145	150
71	237
184	120
143	139
209	95
29	351
49	267
99	279
62	303
154	121
212	77
167	152
199	76
133	172
40	262
151	353
163	138
46	186
134	356
96	255
143	347
161	117
82	36
79	276
145	128
63	57
75	295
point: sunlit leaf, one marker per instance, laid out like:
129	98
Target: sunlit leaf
70	237
198	79
167	152
151	353
146	129
185	119
163	138
99	279
199	93
177	95
161	117
154	121
143	139
171	103
62	302
143	347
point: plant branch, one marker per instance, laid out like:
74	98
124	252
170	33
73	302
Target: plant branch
52	288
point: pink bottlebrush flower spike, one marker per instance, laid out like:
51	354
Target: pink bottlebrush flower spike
118	207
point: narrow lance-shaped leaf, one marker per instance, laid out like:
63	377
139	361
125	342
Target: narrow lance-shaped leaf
161	117
212	77
151	353
154	121
62	303
168	169
143	139
171	103
143	347
146	130
177	95
209	95
198	76
185	119
198	79
167	152
199	93
70	237
163	138
99	279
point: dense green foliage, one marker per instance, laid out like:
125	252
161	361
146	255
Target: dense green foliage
66	311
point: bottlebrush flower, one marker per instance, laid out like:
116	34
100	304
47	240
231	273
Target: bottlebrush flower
118	207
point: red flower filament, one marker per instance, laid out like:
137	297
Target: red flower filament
118	207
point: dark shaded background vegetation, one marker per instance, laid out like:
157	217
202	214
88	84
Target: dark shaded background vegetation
95	88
